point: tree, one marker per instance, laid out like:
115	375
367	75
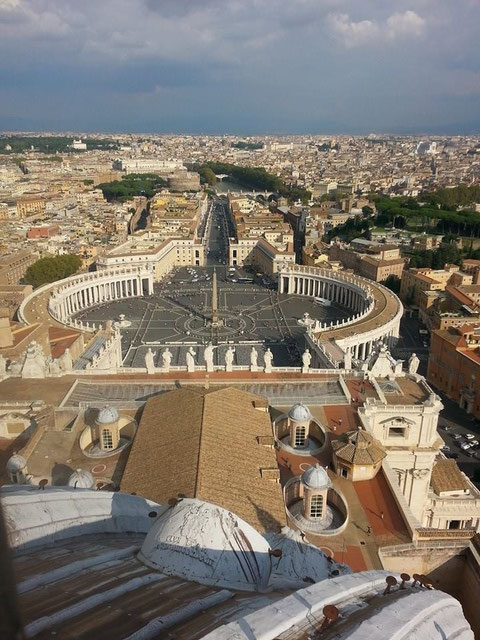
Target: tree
51	269
392	283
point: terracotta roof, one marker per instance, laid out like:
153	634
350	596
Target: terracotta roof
358	447
205	444
446	476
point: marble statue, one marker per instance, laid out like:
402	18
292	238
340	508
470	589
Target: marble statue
66	360
166	359
190	358
268	359
208	356
413	363
150	361
35	364
53	366
253	359
306	360
347	361
229	354
3	366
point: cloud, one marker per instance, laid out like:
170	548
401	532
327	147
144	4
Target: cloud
405	24
235	62
354	34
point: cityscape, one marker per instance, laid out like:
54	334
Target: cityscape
239	357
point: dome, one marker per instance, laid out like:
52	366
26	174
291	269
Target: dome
316	478
81	479
107	415
16	463
299	413
197	540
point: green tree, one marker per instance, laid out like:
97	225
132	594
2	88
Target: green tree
51	269
392	283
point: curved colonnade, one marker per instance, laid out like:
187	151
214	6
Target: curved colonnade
73	294
376	311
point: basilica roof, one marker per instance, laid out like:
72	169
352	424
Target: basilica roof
215	445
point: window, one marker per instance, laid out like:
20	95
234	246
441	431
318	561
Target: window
107	439
316	507
396	432
300	433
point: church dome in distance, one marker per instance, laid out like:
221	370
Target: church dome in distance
316	478
299	413
200	541
108	415
16	463
81	479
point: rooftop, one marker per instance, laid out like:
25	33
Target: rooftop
210	449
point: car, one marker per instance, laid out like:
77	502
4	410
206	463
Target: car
465	446
457	436
475	443
445	427
445	448
469	436
471	452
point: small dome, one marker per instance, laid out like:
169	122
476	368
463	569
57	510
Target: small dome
316	478
299	413
107	415
16	463
200	541
81	479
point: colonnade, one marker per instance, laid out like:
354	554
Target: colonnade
354	293
339	291
82	292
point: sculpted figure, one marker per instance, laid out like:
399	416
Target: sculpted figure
229	354
306	358
190	358
150	361
413	363
67	360
253	358
166	358
208	356
268	359
3	365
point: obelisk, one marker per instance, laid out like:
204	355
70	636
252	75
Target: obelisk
214	300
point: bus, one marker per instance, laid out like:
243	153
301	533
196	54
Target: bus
246	280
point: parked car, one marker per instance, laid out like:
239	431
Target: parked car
469	436
445	448
451	454
465	446
457	436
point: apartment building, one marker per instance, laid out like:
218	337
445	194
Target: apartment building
13	266
454	365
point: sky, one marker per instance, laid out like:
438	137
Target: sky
240	66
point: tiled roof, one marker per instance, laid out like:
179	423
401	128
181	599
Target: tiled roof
446	476
205	444
359	447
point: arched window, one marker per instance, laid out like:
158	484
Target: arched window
107	439
300	433
316	507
